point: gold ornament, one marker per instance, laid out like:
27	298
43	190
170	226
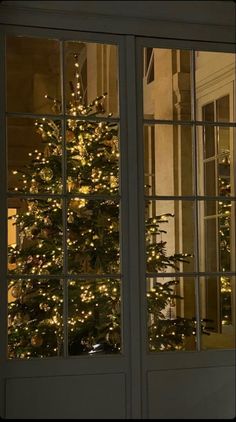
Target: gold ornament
46	174
36	341
16	291
113	181
34	188
44	307
84	189
70	219
47	221
70	184
69	135
77	203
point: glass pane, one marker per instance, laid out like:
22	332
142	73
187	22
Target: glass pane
217	236
171	314
34	156
93	236
214	74
33	72
91	78
92	157
169	236
216	166
218	312
166	84
168	161
222	109
35	318
208	112
224	177
210	178
94	316
208	136
224	135
35	236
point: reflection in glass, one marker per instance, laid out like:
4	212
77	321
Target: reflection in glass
168	160
35	324
34	156
93	236
218	309
169	236
217	235
33	72
171	314
94	316
92	157
215	160
91	73
36	235
213	71
224	177
166	84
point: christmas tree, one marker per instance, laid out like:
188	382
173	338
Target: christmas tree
224	211
37	300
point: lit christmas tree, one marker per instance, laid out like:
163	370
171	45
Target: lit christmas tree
36	305
224	211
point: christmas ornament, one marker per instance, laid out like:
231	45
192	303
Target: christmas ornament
114	336
76	204
84	189
59	261
47	221
16	291
46	174
69	135
113	181
36	340
17	320
34	188
33	206
44	307
72	124
70	219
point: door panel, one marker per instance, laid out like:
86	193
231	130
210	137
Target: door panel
100	396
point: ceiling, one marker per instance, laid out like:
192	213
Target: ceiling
210	12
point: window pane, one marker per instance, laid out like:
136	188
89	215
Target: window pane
94	316
216	166
217	240
168	161
214	74
222	109
208	112
35	236
93	236
34	155
92	157
169	236
171	314
91	72
33	71
224	176
218	311
35	324
166	85
210	178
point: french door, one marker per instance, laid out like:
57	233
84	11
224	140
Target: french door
107	294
